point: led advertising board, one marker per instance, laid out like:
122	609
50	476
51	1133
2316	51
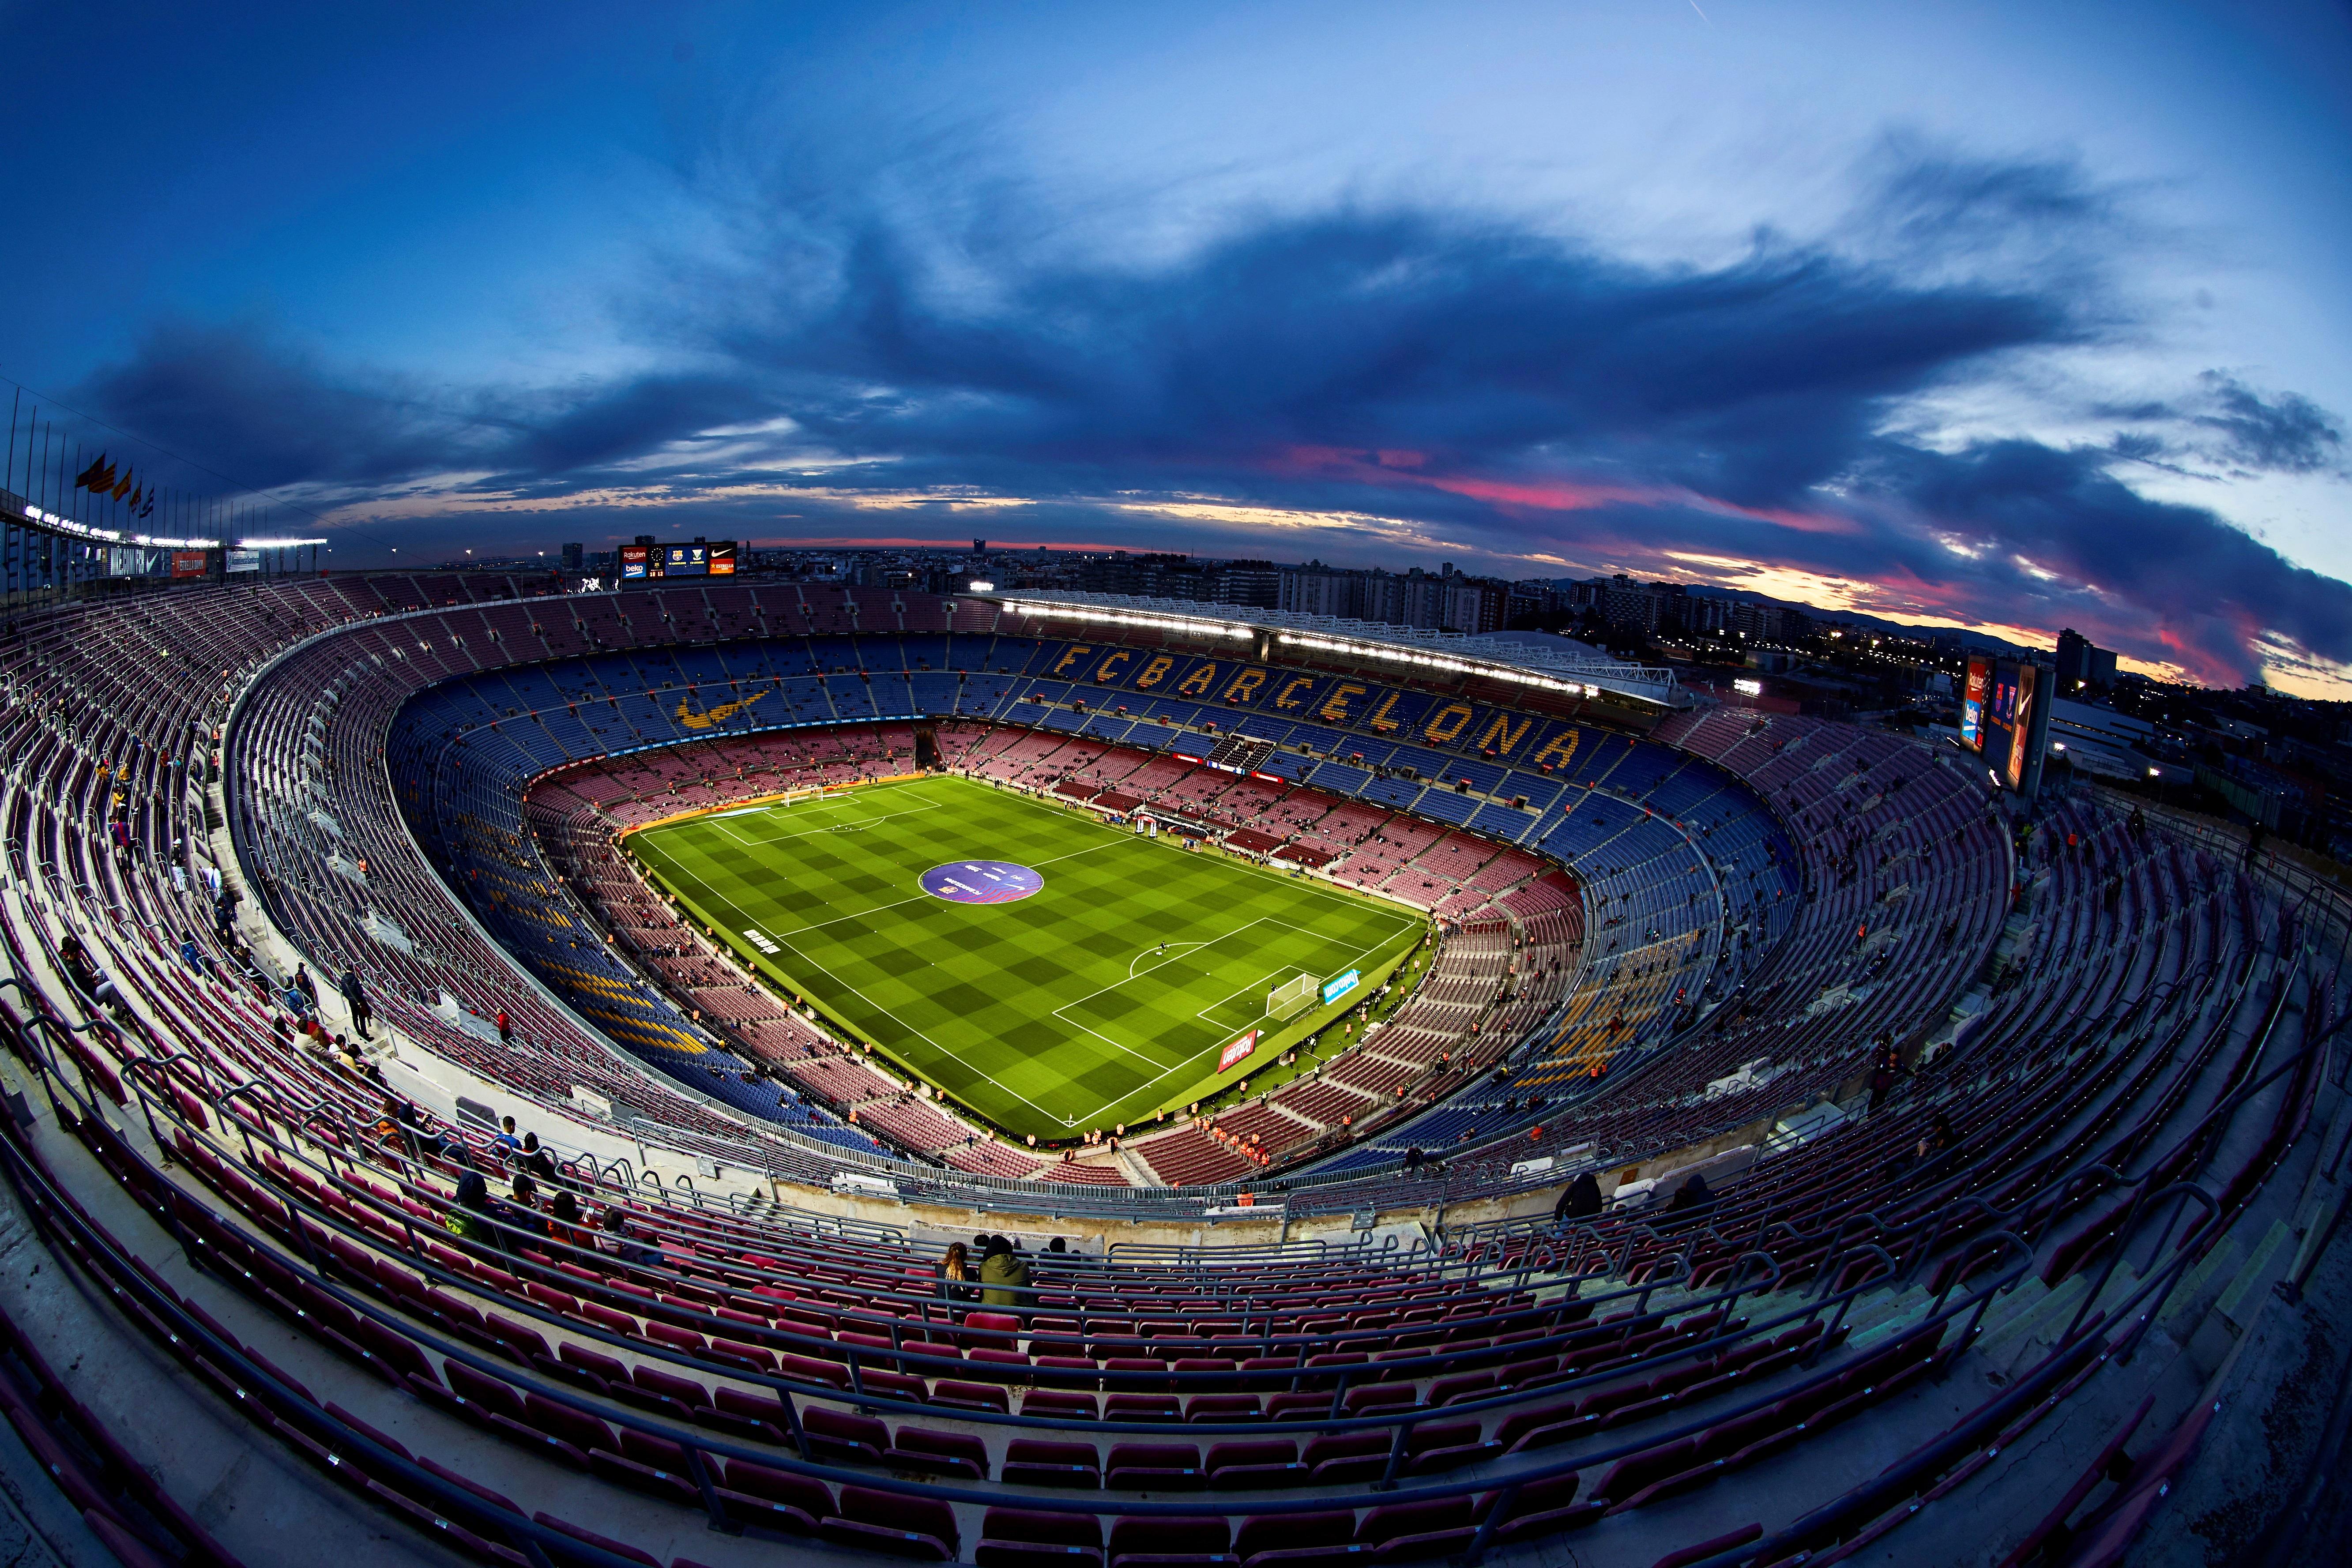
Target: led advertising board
1972	704
1237	1050
1339	985
723	559
685	560
2004	717
634	560
2027	691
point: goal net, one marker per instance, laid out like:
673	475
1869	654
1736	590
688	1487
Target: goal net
794	796
1290	997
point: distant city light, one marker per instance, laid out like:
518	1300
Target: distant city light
979	588
1749	688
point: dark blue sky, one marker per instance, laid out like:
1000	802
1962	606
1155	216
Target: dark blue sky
2004	315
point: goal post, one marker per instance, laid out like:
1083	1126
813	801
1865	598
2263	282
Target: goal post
1291	997
794	796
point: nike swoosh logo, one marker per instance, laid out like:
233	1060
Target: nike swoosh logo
718	715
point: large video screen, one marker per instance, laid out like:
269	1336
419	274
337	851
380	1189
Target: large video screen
634	560
685	560
1997	715
2020	728
723	558
1972	704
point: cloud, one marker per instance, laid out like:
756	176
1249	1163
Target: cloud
2056	534
267	413
1378	379
2285	434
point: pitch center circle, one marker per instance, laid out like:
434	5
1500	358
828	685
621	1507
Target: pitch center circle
982	881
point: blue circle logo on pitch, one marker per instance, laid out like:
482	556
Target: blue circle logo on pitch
982	881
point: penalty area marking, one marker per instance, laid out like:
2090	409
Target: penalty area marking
1164	951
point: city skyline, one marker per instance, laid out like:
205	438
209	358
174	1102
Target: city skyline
1974	317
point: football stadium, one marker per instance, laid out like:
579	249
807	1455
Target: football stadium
1384	1097
1636	854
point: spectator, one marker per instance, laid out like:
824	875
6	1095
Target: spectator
624	1243
525	1204
356	1000
1579	1200
506	1028
1004	1277
954	1273
566	1223
422	1140
474	1217
84	971
506	1145
306	985
1884	1076
536	1159
1693	1197
193	957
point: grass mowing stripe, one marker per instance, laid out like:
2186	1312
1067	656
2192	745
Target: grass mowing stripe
1049	1014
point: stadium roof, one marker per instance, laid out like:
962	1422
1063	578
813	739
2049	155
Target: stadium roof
1567	667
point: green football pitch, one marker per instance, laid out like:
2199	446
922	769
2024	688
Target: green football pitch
1106	994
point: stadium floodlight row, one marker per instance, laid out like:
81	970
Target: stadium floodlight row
1911	1132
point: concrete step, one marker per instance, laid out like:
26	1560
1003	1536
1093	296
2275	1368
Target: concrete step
2012	1321
1891	1316
2193	1296
2235	1304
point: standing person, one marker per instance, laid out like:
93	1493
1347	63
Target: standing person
356	1000
308	987
506	1028
1883	1078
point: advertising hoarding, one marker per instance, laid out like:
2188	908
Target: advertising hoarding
1236	1050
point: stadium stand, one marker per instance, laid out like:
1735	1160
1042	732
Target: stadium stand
1821	1136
